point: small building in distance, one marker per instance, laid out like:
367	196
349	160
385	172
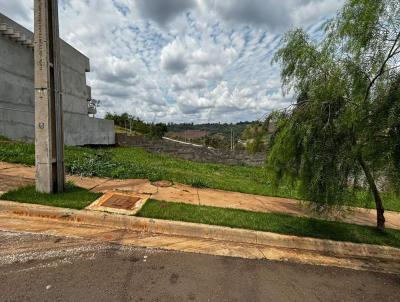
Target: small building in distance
17	97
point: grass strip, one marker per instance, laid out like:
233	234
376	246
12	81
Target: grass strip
269	222
125	163
73	197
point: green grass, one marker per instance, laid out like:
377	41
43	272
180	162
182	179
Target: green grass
269	222
119	129
126	163
73	197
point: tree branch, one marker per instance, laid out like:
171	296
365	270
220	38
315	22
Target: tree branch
392	53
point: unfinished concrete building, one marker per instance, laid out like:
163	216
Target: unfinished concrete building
17	91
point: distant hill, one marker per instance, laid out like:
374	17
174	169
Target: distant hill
209	129
188	134
216	135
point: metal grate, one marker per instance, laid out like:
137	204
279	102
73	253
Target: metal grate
122	202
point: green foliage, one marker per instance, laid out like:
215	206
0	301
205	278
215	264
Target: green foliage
256	136
198	183
217	142
134	124
158	130
73	197
123	163
347	108
269	222
19	153
91	164
255	145
253	130
358	23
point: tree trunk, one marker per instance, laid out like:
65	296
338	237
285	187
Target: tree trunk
380	218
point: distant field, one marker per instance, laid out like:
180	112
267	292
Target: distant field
136	163
187	134
210	129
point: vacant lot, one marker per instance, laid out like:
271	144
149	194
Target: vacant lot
136	163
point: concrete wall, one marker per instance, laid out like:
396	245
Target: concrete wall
190	152
17	93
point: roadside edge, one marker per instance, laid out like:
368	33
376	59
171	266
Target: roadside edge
177	228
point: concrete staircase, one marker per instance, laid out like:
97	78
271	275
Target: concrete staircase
11	33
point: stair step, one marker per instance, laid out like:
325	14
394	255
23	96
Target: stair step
9	31
14	35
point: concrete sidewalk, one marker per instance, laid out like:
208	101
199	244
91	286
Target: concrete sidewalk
13	176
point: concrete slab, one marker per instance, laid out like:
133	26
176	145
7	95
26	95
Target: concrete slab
163	184
20	171
178	193
140	186
4	165
368	217
88	183
249	202
119	203
8	183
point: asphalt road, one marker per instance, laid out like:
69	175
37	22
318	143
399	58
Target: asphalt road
46	268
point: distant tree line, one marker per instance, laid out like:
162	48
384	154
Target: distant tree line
211	128
134	124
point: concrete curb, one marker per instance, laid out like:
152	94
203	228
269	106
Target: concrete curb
340	249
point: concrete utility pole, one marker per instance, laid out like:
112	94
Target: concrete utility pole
232	140
49	131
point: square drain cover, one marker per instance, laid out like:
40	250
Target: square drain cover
119	203
122	202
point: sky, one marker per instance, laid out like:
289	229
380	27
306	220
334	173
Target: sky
190	61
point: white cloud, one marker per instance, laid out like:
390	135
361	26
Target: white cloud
174	57
20	10
275	15
182	60
163	11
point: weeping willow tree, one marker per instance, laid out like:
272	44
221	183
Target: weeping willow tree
345	122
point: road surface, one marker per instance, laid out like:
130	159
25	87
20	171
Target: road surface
38	267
